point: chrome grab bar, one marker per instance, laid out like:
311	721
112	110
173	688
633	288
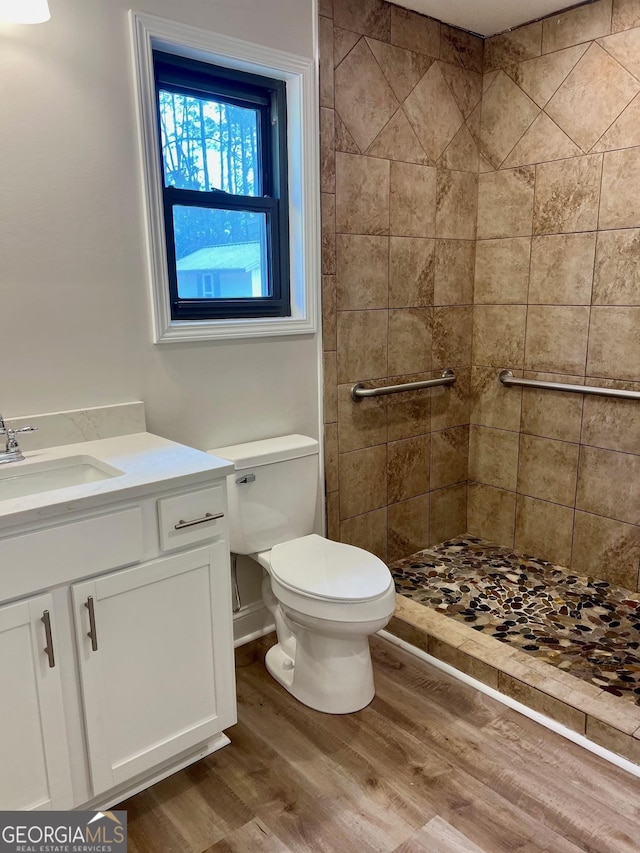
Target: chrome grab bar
359	392
507	378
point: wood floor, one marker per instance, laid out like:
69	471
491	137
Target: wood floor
431	765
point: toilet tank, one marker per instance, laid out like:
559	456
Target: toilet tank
272	492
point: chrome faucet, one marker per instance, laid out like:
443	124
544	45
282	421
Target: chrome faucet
12	452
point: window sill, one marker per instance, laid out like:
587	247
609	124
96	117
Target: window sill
181	331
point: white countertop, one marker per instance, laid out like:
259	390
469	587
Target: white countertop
149	463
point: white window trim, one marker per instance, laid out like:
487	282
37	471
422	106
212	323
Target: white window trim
149	32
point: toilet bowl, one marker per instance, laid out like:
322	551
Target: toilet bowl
326	597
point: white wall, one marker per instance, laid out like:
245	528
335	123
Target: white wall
74	304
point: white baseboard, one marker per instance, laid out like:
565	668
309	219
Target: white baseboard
251	623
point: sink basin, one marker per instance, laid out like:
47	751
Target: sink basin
19	479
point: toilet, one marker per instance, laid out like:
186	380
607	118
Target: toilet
326	597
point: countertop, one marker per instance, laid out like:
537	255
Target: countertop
148	464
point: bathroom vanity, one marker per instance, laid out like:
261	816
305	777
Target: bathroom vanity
116	640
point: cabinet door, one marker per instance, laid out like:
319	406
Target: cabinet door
34	768
147	640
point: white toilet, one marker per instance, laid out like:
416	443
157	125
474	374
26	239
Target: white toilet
326	598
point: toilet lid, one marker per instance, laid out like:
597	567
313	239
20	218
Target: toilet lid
320	568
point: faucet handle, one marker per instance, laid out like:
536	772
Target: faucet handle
8	431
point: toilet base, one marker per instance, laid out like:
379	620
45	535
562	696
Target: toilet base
328	674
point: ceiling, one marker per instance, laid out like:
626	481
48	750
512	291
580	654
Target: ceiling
486	17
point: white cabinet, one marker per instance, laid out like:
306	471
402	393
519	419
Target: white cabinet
33	744
147	639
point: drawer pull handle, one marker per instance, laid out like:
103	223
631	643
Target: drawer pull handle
48	649
93	636
207	517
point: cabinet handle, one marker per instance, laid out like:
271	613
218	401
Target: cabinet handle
48	649
93	636
207	517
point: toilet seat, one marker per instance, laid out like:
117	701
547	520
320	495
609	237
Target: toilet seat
318	568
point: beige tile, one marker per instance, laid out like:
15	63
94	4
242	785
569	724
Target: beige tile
552	414
626	14
325	8
614	343
362	345
509	49
492	404
592	97
397	141
493	457
448	513
465	85
542	702
410	340
567	195
502	270
587	22
491	514
606	549
329	316
613	739
562	269
330	396
609	484
462	153
362	194
449	457
625	130
433	112
408	527
463	660
450	404
333	516
499	335
363	480
369	17
402	68
415	32
544	530
548	470
412	200
454	272
452	330
620	202
505	203
368	531
364	99
408	468
542	142
617	269
344	141
361	424
416	637
343	42
459	47
409	411
325	42
610	423
456	205
412	263
506	115
327	152
331	457
541	77
328	218
624	47
362	264
557	338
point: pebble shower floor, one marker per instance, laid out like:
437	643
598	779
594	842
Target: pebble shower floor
579	624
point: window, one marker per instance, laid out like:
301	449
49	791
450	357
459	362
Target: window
223	156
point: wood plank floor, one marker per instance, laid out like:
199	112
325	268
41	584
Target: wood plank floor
431	765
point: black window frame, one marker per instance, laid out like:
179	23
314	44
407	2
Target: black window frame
268	96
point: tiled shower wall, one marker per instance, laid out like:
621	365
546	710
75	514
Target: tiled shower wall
553	278
557	291
400	99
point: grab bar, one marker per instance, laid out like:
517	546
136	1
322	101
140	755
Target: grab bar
507	378
359	392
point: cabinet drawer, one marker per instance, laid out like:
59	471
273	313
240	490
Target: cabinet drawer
191	518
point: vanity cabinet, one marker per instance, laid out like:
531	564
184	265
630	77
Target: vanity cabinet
131	674
33	743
